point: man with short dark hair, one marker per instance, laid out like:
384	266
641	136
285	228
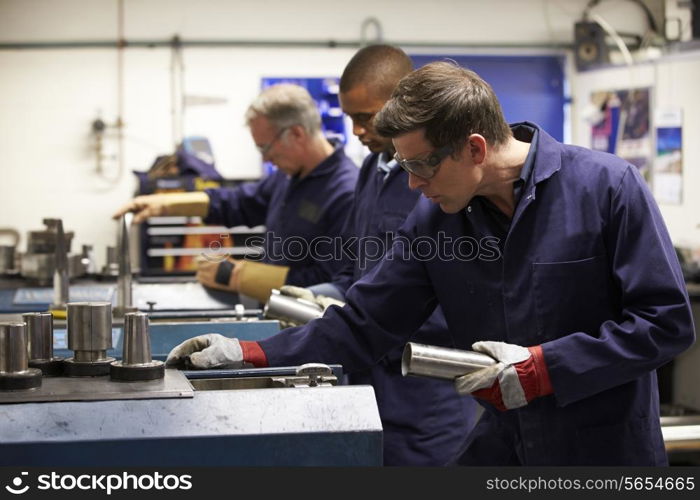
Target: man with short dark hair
425	422
583	302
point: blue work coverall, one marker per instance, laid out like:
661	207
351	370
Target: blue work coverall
425	421
587	270
294	211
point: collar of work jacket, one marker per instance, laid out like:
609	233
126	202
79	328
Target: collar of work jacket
327	166
548	159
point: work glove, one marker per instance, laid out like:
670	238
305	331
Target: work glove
213	350
221	275
305	294
166	204
519	376
257	280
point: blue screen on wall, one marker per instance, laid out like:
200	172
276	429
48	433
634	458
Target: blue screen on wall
530	88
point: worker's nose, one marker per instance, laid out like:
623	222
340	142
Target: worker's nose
415	182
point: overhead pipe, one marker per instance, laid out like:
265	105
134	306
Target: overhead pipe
268	43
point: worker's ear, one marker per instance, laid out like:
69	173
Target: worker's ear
476	148
297	132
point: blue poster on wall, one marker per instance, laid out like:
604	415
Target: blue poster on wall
325	92
530	88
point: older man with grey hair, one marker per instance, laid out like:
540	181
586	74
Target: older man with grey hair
308	196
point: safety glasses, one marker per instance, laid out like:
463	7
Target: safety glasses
425	167
267	147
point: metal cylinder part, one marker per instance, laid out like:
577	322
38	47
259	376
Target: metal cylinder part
89	337
39	334
15	373
137	340
13	348
89	326
441	362
40	338
136	363
283	307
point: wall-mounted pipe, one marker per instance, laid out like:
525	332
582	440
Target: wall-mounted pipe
267	43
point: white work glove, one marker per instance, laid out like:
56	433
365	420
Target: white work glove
519	376
208	351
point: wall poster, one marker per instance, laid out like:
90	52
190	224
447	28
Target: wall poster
668	164
622	126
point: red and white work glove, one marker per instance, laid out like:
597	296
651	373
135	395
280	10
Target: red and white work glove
519	376
213	350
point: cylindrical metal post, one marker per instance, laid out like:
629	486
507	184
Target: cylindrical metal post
15	373
40	336
89	336
136	363
137	341
13	348
441	362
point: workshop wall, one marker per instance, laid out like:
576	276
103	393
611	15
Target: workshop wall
673	81
50	95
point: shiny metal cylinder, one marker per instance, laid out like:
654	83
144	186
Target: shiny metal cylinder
89	328
283	307
137	340
39	335
441	362
13	348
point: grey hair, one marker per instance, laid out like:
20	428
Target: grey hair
284	105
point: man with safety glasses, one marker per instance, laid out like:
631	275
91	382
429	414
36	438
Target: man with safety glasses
424	421
308	196
579	302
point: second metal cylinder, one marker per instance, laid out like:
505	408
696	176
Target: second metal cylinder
137	341
287	308
39	334
441	362
13	348
89	329
15	373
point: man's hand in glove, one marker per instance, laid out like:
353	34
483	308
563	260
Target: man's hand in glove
216	351
156	205
519	376
222	275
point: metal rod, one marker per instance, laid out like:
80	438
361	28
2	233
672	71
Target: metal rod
60	275
441	362
124	283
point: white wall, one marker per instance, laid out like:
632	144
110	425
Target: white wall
49	97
